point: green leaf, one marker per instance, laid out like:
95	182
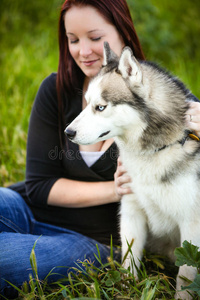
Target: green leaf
15	287
188	254
194	286
158	262
123	271
33	262
109	282
113	277
86	298
148	292
64	293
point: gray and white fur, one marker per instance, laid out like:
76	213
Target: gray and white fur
143	108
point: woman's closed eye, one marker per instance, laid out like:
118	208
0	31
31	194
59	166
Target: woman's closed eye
73	41
77	40
96	39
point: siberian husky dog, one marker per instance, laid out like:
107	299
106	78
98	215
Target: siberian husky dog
143	108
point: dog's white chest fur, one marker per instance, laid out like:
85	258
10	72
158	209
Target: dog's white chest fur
163	203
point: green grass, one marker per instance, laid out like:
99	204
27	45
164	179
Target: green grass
156	279
109	281
29	53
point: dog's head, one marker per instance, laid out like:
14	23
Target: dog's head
133	99
110	109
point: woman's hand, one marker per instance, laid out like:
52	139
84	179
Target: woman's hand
121	180
193	117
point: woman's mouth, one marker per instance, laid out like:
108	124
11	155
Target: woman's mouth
89	62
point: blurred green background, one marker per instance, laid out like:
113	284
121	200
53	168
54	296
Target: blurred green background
169	32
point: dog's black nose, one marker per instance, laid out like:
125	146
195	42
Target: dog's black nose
70	133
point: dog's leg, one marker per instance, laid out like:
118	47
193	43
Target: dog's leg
188	272
133	231
190	232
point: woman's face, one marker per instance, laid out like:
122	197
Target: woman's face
87	31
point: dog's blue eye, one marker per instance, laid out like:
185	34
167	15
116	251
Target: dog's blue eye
100	107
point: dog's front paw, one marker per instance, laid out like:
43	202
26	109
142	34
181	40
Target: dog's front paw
129	264
185	272
184	295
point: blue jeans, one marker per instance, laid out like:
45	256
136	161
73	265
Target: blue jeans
55	247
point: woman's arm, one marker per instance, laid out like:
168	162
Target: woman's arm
43	170
72	193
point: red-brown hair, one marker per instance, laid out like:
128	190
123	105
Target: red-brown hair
117	13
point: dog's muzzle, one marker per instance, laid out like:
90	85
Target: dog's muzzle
70	133
104	133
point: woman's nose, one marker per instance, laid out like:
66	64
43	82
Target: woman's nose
85	49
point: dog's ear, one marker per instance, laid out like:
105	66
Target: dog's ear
108	54
129	66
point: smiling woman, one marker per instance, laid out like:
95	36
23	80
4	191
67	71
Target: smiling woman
86	37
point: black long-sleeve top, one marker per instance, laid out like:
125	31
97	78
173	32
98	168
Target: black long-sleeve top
47	162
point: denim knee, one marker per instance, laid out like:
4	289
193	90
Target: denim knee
7	195
15	214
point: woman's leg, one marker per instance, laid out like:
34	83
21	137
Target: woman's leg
57	253
15	215
55	246
15	224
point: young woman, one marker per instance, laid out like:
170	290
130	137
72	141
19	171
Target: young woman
69	202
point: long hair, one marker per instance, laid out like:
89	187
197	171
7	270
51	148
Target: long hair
70	76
